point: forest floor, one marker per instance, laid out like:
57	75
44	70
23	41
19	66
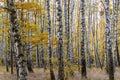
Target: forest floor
40	74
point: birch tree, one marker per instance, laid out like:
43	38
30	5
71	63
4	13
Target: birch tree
60	41
49	40
83	61
12	16
115	21
109	44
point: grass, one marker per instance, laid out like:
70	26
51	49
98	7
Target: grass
40	74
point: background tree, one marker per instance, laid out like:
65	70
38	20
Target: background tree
83	61
49	41
109	44
60	42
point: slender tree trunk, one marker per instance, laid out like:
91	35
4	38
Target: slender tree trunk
49	41
78	32
72	10
12	51
109	44
106	52
83	61
17	40
42	55
29	61
42	60
115	21
60	42
98	58
67	26
88	35
26	45
37	56
6	62
94	41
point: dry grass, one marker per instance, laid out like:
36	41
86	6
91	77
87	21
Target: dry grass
39	74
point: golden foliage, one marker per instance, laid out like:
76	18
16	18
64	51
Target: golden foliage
33	40
5	29
1	9
54	41
28	26
30	6
5	21
37	37
2	0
